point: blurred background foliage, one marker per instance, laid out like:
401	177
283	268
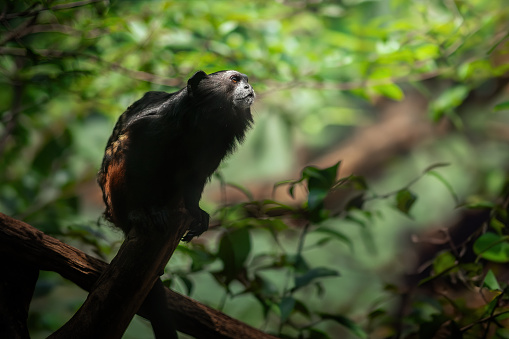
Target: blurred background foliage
410	96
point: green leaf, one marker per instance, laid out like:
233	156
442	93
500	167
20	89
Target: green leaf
286	306
391	91
346	322
299	263
321	178
502	106
290	190
497	225
320	181
314	273
310	172
330	173
405	200
234	249
491	282
316	196
448	100
188	283
199	256
492	247
428	51
443	262
327	175
359	182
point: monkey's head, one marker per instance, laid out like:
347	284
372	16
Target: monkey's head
230	89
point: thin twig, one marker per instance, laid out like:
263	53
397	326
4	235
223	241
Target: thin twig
499	297
480	321
346	86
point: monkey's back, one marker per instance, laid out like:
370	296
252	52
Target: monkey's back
132	160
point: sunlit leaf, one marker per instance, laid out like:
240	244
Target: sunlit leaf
497	225
443	262
491	282
391	91
502	106
492	247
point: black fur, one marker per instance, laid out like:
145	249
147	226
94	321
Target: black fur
166	145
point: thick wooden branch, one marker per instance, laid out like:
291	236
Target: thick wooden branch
50	254
125	283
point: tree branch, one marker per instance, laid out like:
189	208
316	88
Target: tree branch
139	75
125	283
50	254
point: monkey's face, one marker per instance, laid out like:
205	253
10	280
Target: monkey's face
230	87
243	94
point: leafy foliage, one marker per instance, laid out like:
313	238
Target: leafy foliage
68	69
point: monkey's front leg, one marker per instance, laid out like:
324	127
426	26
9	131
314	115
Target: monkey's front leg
192	198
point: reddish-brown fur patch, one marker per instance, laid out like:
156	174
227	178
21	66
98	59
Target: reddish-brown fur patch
114	185
113	181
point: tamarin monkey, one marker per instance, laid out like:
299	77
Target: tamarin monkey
165	146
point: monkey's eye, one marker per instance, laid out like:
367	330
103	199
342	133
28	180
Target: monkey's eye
235	78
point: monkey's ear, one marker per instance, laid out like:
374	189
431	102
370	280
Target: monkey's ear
193	82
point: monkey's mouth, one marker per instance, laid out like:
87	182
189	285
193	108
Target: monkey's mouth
248	97
245	101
